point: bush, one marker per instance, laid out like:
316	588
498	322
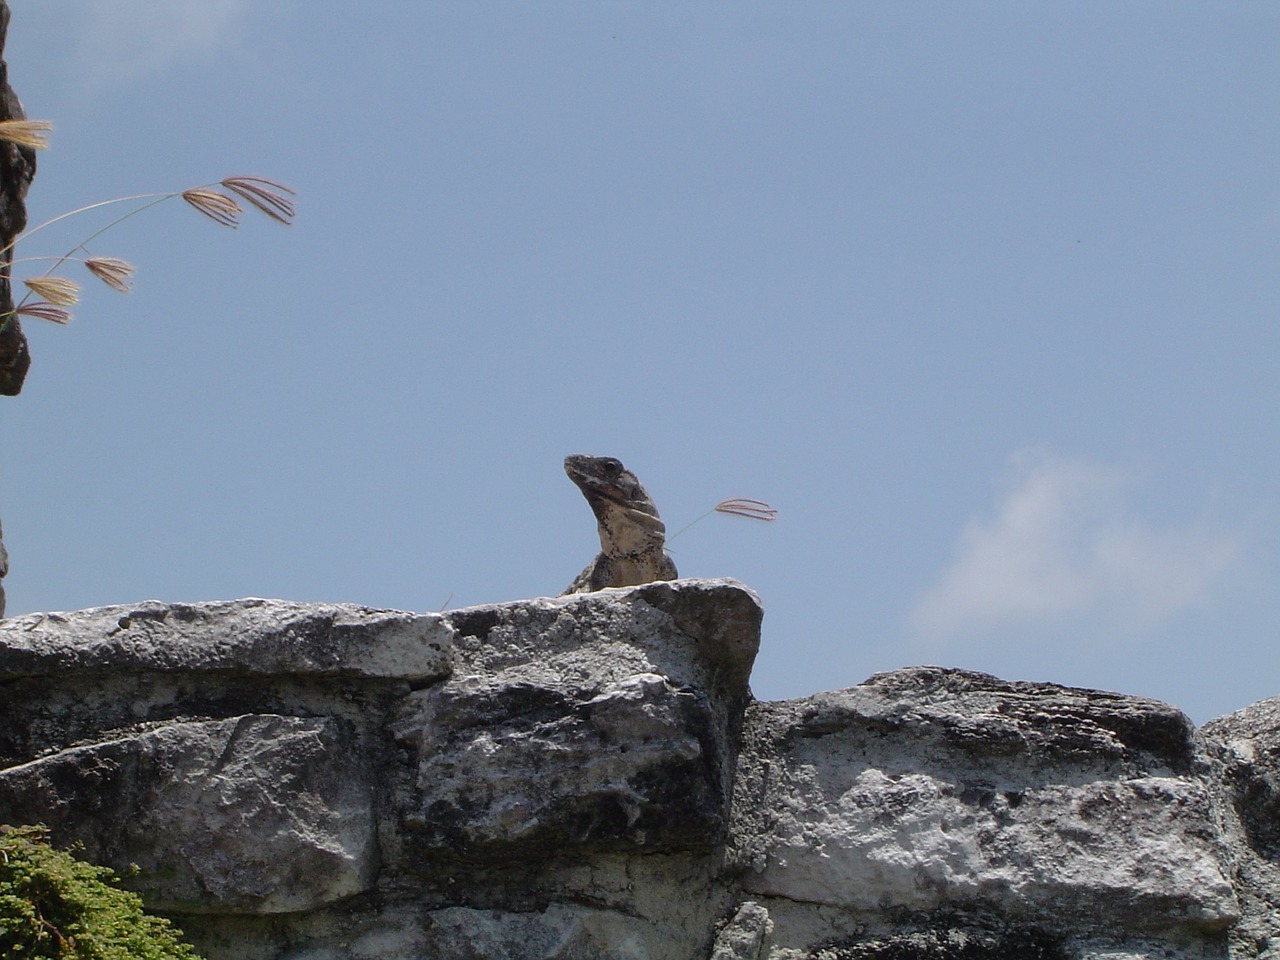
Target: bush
53	905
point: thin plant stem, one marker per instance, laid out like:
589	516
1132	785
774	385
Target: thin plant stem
746	507
268	196
153	197
161	198
690	524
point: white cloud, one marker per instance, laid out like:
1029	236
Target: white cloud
1065	542
121	40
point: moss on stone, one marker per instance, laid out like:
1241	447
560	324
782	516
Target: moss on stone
53	905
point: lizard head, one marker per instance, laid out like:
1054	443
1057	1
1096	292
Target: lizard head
620	503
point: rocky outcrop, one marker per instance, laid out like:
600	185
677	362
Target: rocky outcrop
1249	744
544	778
1068	815
4	570
17	168
588	776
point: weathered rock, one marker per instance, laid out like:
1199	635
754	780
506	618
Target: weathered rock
700	633
928	791
1250	744
264	814
560	932
1252	736
4	571
587	777
629	765
256	637
17	168
584	721
745	936
547	778
77	675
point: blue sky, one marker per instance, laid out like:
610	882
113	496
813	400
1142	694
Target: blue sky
981	296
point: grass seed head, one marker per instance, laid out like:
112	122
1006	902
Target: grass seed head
746	507
218	207
112	271
26	133
40	310
58	291
267	195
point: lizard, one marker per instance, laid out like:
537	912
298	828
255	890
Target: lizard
632	536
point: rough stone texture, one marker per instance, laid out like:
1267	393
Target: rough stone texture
547	778
4	569
527	766
745	936
181	801
588	777
576	722
262	637
1066	814
1250	743
17	168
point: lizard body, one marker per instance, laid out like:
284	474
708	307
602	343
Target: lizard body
632	536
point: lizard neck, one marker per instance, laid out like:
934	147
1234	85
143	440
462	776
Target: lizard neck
627	533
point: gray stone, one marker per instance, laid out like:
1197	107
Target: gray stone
4	571
1252	737
928	790
588	777
260	814
700	633
264	637
629	764
596	720
1250	743
560	932
542	778
745	936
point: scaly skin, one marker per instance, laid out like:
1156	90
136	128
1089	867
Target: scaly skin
632	536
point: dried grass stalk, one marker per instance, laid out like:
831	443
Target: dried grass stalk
112	271
746	507
26	133
58	291
43	311
272	202
218	207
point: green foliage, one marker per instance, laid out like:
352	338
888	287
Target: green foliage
53	905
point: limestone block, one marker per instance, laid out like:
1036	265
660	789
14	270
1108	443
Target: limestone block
545	769
561	932
745	936
1250	743
251	814
1252	736
697	633
597	720
262	637
927	789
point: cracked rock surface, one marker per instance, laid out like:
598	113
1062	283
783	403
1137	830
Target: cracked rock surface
589	777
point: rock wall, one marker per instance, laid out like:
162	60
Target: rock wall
17	168
589	777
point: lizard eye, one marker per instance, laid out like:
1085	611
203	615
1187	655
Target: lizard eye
611	467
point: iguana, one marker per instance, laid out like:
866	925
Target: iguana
631	534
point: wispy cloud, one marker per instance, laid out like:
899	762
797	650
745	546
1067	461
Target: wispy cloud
121	40
1065	541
